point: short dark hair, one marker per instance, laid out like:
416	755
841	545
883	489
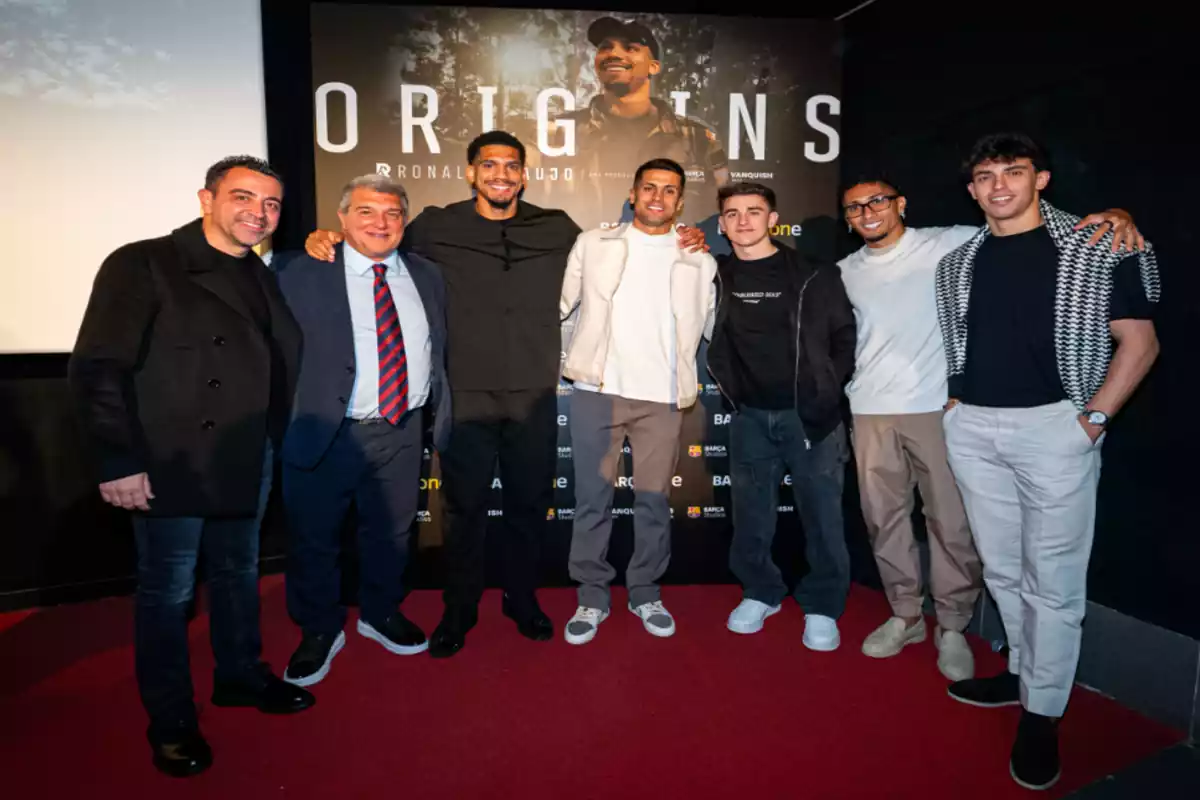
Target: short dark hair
216	173
503	138
664	164
744	190
881	178
1005	148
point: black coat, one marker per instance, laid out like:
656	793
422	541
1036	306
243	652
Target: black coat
824	326
173	376
503	284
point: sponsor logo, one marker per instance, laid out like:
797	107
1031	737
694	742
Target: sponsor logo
714	512
622	512
715	451
562	420
695	450
555	483
786	230
565	389
431	484
427	454
787	509
424	516
787	480
564	452
627	483
720	480
495	512
722	419
708	388
549	513
694	512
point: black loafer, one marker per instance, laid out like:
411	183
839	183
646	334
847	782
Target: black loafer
531	621
274	696
183	758
1034	763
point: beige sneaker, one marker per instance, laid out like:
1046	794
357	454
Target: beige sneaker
890	638
955	659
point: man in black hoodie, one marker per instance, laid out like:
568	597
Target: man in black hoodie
503	261
782	347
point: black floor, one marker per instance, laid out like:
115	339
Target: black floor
1173	774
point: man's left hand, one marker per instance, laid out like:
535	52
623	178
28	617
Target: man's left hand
1093	431
691	239
1126	236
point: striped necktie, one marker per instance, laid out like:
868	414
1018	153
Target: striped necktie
393	363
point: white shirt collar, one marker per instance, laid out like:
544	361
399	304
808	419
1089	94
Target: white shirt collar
359	264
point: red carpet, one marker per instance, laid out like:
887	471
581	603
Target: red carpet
704	714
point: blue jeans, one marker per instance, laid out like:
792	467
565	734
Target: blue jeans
168	549
761	444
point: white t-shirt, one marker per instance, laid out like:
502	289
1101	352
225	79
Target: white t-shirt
900	362
640	364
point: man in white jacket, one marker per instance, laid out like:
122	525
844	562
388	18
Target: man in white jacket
643	305
897	397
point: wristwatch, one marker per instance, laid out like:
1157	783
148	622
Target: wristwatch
1094	417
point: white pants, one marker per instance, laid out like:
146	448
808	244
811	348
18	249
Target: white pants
1028	479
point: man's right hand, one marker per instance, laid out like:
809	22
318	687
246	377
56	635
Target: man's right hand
130	492
320	244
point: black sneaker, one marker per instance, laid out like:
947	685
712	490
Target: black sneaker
450	635
1034	763
1000	690
268	694
397	634
310	663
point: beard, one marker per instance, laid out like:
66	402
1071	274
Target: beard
498	204
651	219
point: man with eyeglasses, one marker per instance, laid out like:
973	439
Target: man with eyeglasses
897	398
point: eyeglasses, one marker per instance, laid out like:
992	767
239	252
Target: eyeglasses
878	203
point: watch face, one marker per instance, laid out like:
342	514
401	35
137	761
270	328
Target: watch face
1097	417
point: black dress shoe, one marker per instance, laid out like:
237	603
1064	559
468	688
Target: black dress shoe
1034	763
531	620
273	696
1000	690
183	758
312	659
451	633
398	634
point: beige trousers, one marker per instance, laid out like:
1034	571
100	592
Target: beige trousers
895	453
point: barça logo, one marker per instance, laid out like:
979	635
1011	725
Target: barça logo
693	512
550	513
695	451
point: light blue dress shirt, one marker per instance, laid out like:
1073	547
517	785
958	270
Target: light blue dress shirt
414	326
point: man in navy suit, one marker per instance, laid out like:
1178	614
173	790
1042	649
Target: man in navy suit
373	367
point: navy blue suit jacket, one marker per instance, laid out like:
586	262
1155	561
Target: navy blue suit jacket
316	293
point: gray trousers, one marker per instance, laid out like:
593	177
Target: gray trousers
599	425
1028	478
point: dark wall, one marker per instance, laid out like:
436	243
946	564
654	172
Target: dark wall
922	80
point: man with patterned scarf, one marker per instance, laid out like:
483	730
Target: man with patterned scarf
1029	312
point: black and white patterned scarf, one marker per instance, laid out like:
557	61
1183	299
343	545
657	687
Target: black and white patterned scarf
1082	340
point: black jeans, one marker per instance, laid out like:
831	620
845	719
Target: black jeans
520	428
761	444
377	465
168	549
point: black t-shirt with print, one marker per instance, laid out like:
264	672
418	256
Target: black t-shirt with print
762	338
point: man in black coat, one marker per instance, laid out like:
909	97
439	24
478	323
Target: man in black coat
183	372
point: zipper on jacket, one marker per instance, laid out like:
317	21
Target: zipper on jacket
717	313
796	367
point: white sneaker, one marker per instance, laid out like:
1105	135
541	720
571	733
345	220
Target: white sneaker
748	617
821	633
955	659
655	619
581	628
891	637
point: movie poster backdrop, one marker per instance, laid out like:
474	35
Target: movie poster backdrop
402	90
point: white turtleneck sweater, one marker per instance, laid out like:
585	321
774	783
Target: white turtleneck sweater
900	363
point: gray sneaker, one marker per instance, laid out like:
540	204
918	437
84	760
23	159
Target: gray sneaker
581	628
655	619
